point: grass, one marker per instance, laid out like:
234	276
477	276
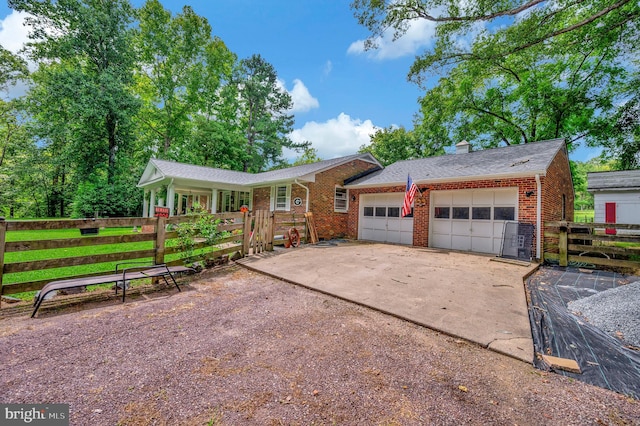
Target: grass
69	271
583	216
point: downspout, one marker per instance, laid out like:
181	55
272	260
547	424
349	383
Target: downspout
306	189
538	217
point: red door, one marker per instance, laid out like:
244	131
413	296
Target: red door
610	217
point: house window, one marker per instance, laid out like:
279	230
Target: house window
281	197
381	211
341	200
368	211
393	212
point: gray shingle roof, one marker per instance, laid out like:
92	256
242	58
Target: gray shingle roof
515	160
172	169
625	180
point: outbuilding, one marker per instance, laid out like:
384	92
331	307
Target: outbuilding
616	196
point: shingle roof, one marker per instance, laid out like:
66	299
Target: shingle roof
172	169
515	160
621	180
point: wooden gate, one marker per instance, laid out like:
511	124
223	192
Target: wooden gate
259	227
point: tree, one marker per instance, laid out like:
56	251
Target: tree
395	144
181	69
309	156
91	41
529	96
521	24
264	114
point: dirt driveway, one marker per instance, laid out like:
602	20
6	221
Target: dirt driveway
243	348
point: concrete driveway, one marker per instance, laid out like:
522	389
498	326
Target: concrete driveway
464	295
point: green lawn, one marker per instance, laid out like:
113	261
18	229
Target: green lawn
54	273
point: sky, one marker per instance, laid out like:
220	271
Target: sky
342	94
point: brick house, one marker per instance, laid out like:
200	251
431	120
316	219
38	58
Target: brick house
465	198
316	187
464	202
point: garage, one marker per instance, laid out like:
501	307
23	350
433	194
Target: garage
471	220
380	219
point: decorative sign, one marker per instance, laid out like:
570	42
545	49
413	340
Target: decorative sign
297	201
161	212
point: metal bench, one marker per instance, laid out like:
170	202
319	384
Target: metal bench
120	276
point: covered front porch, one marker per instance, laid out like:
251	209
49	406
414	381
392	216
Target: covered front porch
181	200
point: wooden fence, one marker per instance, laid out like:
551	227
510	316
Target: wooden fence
600	244
250	233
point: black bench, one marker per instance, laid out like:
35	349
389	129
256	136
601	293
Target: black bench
120	276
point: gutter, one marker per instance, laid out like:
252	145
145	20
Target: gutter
306	189
538	216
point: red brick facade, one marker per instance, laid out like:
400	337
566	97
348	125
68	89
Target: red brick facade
556	202
329	224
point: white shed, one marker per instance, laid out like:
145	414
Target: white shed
616	196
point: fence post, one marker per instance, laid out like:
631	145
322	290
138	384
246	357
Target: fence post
161	224
562	244
3	233
246	234
271	229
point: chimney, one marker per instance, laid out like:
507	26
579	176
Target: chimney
463	147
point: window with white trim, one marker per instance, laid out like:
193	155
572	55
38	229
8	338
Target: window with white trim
341	200
281	197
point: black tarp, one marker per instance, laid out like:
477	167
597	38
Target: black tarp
605	360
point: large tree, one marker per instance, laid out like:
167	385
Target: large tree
264	114
181	69
91	40
395	144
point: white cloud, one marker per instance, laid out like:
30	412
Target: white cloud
328	67
335	137
13	33
420	34
302	99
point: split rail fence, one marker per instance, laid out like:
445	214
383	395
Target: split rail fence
250	233
607	245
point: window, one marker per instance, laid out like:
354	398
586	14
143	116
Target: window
381	211
481	213
442	213
244	199
411	213
281	197
341	200
368	211
393	212
504	213
461	213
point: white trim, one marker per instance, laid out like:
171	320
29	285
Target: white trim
335	199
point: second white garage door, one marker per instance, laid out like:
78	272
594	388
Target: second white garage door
471	220
380	219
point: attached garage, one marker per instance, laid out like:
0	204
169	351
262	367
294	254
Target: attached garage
380	219
471	220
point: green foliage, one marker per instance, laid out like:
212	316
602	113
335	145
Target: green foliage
395	144
201	226
309	156
106	200
583	199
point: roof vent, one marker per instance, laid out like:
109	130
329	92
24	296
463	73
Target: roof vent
463	147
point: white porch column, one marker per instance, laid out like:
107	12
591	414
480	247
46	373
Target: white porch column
171	196
152	202
145	205
214	201
179	204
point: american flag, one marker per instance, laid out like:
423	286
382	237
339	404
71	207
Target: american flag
409	195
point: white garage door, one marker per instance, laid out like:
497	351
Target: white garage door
471	220
380	219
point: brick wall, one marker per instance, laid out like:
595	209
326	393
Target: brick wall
329	224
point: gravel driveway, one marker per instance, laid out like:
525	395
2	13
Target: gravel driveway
242	348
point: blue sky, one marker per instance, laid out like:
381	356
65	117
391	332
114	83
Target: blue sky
341	93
